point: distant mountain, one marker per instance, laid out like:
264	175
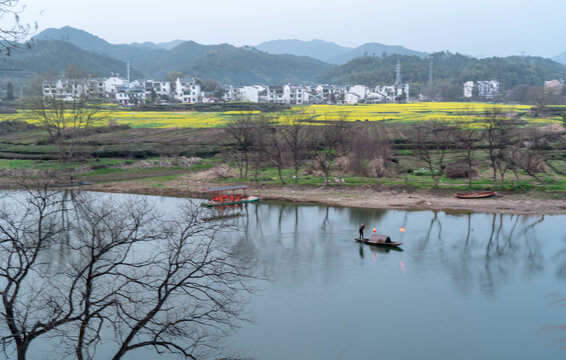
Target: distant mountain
376	49
164	45
240	66
86	41
560	58
316	49
50	56
224	63
177	59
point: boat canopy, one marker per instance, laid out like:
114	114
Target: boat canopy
227	188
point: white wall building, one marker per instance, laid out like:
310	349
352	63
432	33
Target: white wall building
468	89
249	93
351	98
487	89
130	96
187	90
161	88
360	90
111	83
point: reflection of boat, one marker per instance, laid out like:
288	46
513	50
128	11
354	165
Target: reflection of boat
380	240
475	194
228	195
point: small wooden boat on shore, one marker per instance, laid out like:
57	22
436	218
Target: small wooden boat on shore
475	195
379	240
228	195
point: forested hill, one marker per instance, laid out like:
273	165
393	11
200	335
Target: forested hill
55	56
241	66
223	63
447	68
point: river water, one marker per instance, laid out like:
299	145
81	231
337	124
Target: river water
464	286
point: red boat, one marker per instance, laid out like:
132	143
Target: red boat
228	195
475	195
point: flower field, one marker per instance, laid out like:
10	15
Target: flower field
320	114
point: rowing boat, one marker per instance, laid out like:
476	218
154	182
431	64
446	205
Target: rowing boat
379	240
475	195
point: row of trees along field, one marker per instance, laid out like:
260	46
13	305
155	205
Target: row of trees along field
370	150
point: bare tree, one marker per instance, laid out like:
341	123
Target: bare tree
276	149
65	115
294	135
433	140
329	141
370	150
128	274
240	132
466	137
498	136
529	155
12	31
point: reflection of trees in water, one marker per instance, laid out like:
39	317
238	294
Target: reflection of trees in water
369	217
508	245
130	275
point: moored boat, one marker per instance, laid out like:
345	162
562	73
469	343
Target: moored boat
475	194
228	195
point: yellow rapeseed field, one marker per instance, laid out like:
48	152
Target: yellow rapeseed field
452	112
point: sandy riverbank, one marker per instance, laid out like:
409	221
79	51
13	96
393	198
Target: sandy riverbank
364	197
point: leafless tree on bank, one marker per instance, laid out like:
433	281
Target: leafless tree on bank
370	150
66	120
467	137
433	140
294	135
330	140
529	155
240	135
128	275
498	135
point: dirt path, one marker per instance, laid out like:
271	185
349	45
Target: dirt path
364	197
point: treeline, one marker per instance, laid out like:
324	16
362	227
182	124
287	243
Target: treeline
447	70
458	151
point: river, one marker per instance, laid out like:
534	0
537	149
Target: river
464	286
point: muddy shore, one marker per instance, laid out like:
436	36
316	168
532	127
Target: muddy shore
363	197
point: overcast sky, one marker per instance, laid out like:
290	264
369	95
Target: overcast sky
474	27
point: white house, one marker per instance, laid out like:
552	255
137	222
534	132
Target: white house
161	88
294	94
249	93
360	90
351	98
468	89
275	94
487	89
130	96
111	83
187	90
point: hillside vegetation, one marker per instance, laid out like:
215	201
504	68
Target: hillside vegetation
447	68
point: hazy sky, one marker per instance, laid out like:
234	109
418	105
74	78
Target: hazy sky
474	27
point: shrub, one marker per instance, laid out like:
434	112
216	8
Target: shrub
458	170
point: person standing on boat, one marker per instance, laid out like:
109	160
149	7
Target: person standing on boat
362	231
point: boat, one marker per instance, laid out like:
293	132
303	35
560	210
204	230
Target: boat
475	194
228	195
379	240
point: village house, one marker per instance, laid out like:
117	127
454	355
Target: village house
187	90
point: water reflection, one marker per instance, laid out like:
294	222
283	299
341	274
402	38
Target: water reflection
458	276
453	266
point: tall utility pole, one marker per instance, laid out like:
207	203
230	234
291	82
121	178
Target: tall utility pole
398	73
128	71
